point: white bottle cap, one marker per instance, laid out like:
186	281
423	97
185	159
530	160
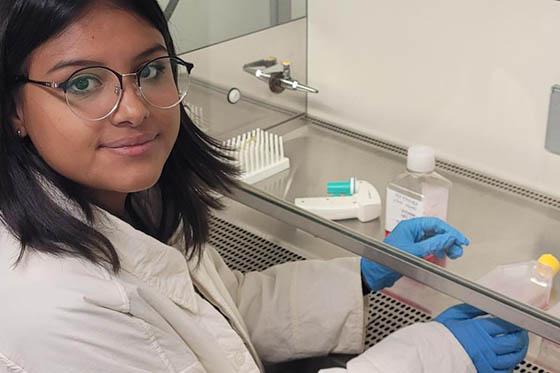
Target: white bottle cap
421	159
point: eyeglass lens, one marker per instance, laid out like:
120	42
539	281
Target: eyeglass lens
94	93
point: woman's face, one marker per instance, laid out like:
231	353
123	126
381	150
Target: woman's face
120	154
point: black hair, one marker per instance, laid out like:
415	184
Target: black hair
184	193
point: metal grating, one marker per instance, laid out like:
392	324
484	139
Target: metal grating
245	251
526	367
447	166
386	315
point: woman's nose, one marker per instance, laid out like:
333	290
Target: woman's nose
132	109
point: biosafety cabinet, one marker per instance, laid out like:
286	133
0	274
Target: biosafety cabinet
347	87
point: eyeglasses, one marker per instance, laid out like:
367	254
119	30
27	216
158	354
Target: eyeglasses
94	93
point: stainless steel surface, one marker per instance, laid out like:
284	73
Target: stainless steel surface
211	111
503	228
248	249
552	142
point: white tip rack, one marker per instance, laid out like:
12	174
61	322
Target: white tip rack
259	155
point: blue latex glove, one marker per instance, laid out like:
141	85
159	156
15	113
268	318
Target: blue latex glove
493	345
420	237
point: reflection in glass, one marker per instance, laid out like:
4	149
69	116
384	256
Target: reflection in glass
196	24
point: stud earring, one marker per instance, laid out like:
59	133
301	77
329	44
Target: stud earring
19	132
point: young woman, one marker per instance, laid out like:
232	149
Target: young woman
105	191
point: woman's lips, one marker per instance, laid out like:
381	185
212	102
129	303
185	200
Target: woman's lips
132	146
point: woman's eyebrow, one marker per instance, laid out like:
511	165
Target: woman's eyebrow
150	51
85	62
76	63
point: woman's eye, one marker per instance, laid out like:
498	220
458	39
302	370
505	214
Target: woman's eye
84	84
152	71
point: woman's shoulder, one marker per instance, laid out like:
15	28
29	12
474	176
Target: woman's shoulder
52	304
33	264
42	281
42	290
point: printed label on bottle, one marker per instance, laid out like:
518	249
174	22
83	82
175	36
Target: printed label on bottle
401	207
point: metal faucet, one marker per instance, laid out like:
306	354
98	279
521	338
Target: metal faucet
277	75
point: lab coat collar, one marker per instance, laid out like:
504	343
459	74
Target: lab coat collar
159	265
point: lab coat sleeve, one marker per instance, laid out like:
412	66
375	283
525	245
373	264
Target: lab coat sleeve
300	309
418	348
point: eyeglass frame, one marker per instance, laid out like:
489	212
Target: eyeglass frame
22	79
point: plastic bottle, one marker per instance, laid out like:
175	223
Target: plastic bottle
528	282
420	191
549	352
531	283
555	310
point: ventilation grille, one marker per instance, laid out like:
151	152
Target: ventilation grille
526	367
386	315
245	251
447	166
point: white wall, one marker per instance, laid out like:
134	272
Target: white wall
471	78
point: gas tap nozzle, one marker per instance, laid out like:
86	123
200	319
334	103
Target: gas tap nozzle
277	75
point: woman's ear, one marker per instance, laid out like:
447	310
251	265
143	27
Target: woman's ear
17	119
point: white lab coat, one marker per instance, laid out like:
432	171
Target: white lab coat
67	315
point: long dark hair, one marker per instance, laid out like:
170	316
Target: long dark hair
195	167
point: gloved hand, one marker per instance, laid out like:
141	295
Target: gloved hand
420	237
493	345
